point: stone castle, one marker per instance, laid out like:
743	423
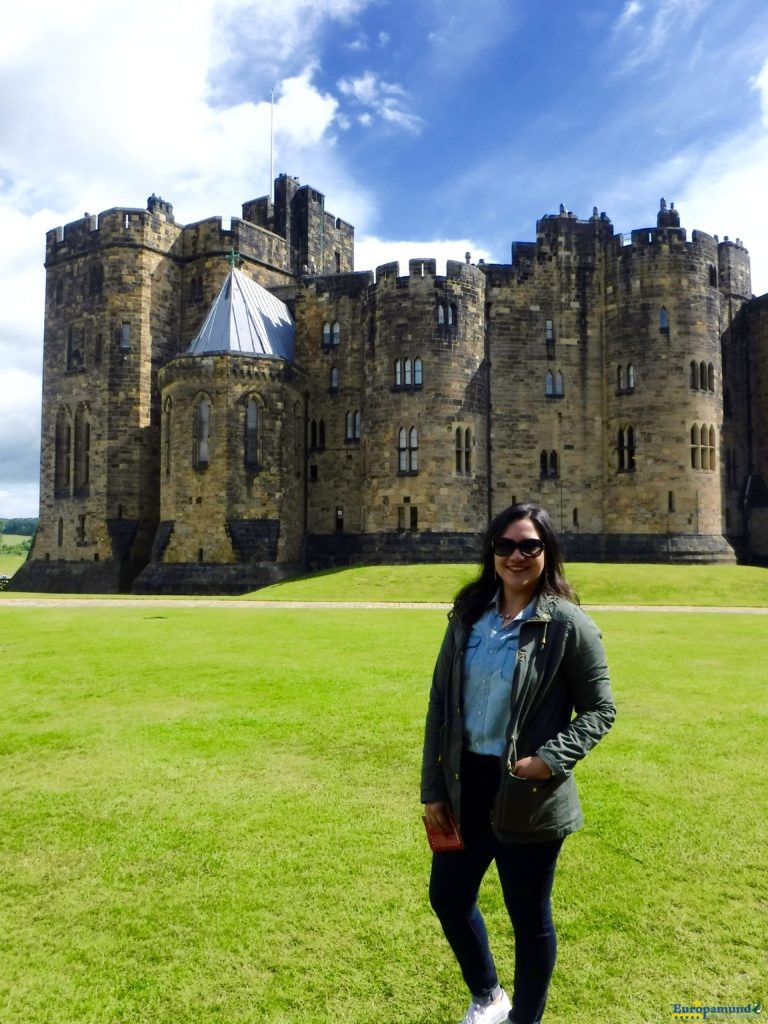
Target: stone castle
224	406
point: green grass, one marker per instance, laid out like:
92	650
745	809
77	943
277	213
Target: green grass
211	817
9	540
13	551
597	583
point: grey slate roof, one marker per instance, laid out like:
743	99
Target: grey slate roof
245	319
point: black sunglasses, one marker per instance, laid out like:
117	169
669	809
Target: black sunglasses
528	548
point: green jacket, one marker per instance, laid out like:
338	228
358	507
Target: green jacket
561	705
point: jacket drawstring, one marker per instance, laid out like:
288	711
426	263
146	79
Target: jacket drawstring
544	636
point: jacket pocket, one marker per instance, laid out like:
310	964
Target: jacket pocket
527	807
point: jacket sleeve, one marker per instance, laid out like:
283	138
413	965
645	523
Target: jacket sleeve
433	786
586	679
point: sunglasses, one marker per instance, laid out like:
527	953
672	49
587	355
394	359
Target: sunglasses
531	547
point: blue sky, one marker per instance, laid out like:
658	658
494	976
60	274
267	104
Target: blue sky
435	128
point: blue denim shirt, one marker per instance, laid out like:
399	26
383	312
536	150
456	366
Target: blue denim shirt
489	664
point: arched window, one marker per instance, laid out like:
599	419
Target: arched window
713	276
704	442
453	314
440	313
459	452
357	425
695	448
549	384
630	448
553	466
352	427
711	377
336	334
620	450
664	320
619	378
693	378
408	373
408	450
417	373
467	451
402	450
398	373
712	459
253	431
202	433
321	435
449	314
333	382
326	335
575	519
559	386
167	411
702	376
413	445
62	456
630	377
82	450
543	464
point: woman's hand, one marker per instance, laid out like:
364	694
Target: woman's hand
532	768
438	815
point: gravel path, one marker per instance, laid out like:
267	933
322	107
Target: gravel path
223	602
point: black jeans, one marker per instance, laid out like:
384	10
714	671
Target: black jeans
526	872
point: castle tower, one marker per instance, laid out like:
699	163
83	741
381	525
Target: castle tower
232	452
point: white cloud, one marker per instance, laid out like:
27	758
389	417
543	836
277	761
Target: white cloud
388	100
651	29
372	252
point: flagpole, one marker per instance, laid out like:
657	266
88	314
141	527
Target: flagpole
271	144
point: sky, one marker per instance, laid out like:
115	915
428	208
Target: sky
436	127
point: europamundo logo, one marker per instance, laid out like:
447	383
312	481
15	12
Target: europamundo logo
698	1011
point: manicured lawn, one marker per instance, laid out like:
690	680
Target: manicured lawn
211	817
597	583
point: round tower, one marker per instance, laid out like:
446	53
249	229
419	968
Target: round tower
664	395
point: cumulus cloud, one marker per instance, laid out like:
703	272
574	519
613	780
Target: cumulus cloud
372	252
387	100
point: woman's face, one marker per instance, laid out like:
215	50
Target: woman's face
519	573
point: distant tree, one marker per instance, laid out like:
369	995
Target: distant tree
24	527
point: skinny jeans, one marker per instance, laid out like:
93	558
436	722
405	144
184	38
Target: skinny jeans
526	872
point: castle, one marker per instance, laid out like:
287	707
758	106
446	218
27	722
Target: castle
224	406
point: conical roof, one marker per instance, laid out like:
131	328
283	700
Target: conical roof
245	319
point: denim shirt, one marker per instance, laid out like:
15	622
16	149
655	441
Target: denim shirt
489	665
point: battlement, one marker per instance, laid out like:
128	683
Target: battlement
388	274
116	226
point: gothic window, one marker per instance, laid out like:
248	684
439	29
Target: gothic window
453	315
694	376
702	376
82	450
695	448
625	449
440	314
62	453
663	320
619	378
167	411
357	425
352	429
710	377
553	466
321	435
459	451
559	387
408	373
202	433
704	438
75	343
549	331
549	384
414	518
326	335
333	382
254	430
408	450
398	373
630	449
575	519
712	460
630	377
543	464
336	334
417	373
467	451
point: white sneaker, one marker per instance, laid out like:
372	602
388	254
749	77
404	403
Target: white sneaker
493	1013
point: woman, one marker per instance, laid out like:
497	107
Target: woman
520	693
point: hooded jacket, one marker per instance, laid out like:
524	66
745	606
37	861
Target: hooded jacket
561	706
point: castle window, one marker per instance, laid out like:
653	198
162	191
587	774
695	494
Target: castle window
619	379
694	376
670	501
713	276
196	289
339	513
467	451
695	448
401	517
414	523
663	320
449	314
549	384
167	410
543	464
75	342
125	337
575	519
549	331
62	454
440	314
352	431
357	425
82	451
630	377
408	373
408	450
702	376
326	335
625	449
321	435
553	467
710	377
704	438
453	315
253	450
333	382
712	461
459	451
338	262
60	532
398	373
81	529
559	387
417	373
313	435
336	334
202	434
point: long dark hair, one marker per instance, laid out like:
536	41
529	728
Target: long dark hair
472	599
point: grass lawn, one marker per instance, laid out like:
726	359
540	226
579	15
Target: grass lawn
211	816
10	557
596	583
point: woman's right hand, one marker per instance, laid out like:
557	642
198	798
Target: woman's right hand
438	815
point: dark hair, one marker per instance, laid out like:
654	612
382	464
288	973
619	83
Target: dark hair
472	599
